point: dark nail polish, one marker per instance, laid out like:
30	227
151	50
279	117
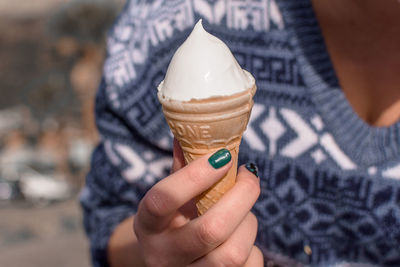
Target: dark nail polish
251	167
220	158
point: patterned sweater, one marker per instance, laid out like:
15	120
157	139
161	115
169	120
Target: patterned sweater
330	183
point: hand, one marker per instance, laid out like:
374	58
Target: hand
169	233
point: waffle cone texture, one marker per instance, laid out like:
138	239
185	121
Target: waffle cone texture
207	125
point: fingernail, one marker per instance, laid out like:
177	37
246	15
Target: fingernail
220	158
251	167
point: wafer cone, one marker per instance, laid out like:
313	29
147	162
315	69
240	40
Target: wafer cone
207	125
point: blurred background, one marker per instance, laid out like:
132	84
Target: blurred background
51	55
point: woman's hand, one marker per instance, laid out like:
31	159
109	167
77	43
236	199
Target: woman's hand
170	234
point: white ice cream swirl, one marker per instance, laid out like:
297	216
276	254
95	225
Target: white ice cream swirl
203	67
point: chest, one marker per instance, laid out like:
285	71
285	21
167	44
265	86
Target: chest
365	56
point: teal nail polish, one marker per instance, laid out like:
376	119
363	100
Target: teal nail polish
251	167
220	158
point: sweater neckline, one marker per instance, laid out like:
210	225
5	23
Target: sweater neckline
366	145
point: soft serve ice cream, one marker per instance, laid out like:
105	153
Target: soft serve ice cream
206	99
203	67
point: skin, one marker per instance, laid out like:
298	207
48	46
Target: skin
363	41
167	232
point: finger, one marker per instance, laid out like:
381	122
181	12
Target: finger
256	258
189	210
178	158
236	250
205	233
161	202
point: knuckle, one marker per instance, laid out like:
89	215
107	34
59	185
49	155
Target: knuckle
235	256
156	255
210	232
155	203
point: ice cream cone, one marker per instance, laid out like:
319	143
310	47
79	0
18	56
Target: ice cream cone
207	125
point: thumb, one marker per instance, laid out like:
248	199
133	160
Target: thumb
178	158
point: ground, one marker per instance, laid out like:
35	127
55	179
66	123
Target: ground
50	236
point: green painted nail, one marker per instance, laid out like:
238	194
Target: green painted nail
252	168
220	158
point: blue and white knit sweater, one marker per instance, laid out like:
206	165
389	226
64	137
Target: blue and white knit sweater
330	183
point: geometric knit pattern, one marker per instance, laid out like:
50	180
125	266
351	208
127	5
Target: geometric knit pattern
330	184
